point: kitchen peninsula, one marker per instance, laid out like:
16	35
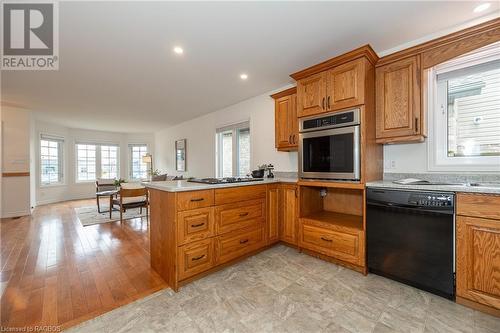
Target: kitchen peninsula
199	228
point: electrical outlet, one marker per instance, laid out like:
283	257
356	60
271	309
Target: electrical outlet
393	164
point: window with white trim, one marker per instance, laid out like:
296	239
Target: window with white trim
233	150
97	161
86	162
109	162
138	169
465	123
51	160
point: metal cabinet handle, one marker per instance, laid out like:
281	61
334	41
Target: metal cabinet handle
290	139
243	214
199	199
416	124
328	103
197	225
323	103
326	239
197	258
243	241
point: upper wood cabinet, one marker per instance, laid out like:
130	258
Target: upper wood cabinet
286	122
345	85
338	83
399	115
311	95
338	88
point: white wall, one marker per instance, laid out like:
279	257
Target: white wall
16	123
71	190
200	135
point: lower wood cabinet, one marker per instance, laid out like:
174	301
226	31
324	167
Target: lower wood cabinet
273	213
478	249
289	210
340	245
195	258
194	225
238	243
240	215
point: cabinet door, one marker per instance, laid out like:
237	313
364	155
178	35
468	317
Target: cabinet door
345	86
289	214
398	99
311	95
273	214
286	123
478	260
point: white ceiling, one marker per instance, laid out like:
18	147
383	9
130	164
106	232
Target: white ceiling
117	70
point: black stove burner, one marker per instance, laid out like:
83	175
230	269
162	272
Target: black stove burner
225	180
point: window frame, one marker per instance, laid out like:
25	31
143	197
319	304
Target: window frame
131	164
437	95
60	160
235	128
98	160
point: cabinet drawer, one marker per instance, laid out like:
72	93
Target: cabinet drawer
195	258
236	244
239	215
195	224
478	205
242	193
342	246
194	199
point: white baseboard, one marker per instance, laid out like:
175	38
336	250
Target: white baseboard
56	200
7	215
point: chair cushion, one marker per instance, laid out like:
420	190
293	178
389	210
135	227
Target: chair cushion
129	200
102	181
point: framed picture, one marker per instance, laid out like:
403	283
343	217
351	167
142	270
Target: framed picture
180	155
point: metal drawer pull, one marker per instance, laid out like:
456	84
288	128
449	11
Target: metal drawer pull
323	103
199	199
243	214
328	103
326	239
197	225
197	258
243	241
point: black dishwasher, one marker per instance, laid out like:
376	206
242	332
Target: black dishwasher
410	238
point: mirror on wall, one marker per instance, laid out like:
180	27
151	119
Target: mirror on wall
180	155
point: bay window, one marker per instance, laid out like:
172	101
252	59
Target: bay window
97	161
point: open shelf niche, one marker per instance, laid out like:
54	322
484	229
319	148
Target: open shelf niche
332	207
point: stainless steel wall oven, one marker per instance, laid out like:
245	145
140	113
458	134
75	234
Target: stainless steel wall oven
329	146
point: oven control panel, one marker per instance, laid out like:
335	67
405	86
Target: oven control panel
330	120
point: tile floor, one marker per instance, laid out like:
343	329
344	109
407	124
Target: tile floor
281	290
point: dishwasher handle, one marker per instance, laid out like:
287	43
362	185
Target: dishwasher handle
435	209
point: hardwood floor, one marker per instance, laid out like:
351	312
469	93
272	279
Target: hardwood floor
56	272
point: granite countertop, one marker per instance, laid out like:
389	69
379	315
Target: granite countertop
183	185
494	189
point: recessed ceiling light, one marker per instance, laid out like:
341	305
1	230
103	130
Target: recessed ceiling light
243	76
482	7
178	50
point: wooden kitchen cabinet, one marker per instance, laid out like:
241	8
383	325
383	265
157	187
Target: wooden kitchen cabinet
478	251
345	85
311	95
398	101
289	210
273	213
336	84
286	122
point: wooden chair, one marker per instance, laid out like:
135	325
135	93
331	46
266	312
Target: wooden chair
103	188
135	197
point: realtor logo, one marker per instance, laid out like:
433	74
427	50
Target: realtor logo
30	36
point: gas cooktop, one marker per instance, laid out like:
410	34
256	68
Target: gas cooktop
225	180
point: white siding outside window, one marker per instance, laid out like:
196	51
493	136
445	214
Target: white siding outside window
51	160
465	123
